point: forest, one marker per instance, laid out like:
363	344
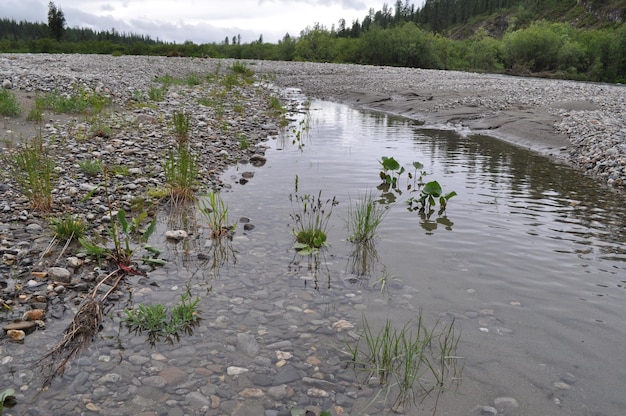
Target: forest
572	39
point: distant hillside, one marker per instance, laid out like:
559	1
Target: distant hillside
497	17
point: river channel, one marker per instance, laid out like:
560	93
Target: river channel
528	260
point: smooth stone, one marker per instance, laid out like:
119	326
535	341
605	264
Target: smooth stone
248	344
235	371
288	374
60	274
197	400
176	235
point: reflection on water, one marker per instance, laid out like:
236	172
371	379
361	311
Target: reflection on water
529	256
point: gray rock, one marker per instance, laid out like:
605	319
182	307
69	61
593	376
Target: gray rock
247	344
60	274
288	374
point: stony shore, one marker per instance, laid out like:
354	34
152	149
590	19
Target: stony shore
581	124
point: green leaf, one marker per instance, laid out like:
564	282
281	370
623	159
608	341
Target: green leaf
154	262
432	189
121	217
151	249
418	165
4	395
389	163
450	195
146	235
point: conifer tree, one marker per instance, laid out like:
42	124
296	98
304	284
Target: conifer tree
56	21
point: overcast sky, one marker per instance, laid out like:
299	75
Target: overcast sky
200	21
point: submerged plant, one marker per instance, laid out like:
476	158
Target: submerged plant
310	214
413	361
364	217
160	322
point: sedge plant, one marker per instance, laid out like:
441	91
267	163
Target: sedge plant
364	217
310	215
409	363
215	211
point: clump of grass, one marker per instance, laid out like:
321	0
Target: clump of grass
82	101
68	228
91	167
275	106
181	172
244	143
364	217
33	171
100	129
157	94
242	69
215	211
160	322
182	123
310	214
9	106
413	361
192	80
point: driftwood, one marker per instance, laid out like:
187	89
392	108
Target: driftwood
79	334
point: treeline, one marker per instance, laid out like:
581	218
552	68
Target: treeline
13	31
400	36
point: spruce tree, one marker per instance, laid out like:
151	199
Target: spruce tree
56	21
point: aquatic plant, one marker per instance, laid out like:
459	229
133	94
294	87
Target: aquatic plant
128	237
412	361
364	217
429	195
391	171
161	322
310	214
216	213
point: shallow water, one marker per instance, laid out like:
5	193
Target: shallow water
529	259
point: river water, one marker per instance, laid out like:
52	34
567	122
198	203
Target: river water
528	260
529	257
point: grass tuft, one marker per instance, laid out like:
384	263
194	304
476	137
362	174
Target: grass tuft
216	213
181	172
91	167
9	106
32	169
68	228
413	362
364	217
